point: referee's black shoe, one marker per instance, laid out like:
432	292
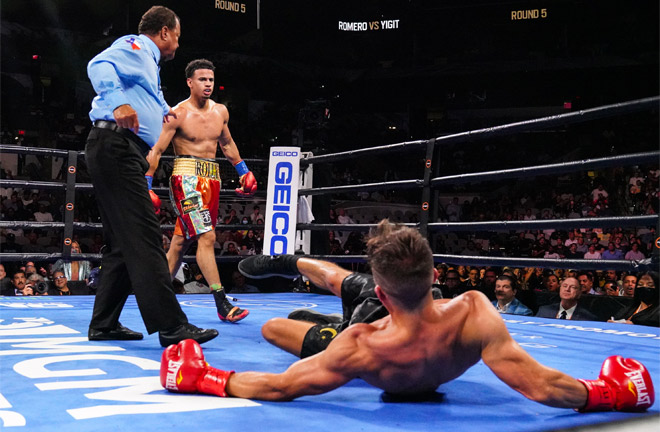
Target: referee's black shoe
119	333
186	331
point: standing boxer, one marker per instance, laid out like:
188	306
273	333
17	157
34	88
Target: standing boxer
128	115
422	344
199	125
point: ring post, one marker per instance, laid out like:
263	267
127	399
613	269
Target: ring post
282	201
72	167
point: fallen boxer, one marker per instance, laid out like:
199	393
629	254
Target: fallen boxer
420	345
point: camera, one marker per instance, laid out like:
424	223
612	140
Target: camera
38	288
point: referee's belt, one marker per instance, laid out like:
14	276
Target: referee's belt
126	133
190	165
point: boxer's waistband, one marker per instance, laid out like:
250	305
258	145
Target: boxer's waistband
126	133
189	165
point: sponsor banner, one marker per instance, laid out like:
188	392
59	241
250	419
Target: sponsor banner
282	201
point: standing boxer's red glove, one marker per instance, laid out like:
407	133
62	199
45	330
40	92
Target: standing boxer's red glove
245	179
155	199
184	370
624	385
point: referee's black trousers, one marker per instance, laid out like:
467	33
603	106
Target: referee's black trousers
133	259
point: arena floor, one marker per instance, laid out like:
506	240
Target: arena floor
53	378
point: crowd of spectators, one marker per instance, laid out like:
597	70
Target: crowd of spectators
624	297
616	191
580	197
614	243
44	205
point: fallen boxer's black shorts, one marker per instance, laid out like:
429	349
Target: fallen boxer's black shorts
360	304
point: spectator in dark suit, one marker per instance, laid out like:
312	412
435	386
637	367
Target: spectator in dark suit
568	308
645	309
473	281
487	285
18	285
452	285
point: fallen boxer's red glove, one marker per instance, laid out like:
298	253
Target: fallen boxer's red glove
624	385
155	199
245	179
184	370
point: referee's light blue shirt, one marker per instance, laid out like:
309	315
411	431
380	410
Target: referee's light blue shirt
127	72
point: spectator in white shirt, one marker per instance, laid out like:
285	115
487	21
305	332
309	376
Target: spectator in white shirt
634	253
343	218
599	193
43	215
453	210
570	240
592	253
635	178
551	253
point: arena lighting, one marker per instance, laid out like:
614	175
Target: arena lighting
36	56
21	132
221	88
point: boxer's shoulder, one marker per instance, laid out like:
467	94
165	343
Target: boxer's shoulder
182	108
220	110
216	106
353	348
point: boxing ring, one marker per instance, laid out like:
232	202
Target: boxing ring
52	376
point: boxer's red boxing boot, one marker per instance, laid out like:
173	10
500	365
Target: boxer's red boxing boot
264	266
623	385
226	310
184	370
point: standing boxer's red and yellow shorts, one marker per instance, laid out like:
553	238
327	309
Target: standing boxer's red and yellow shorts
195	193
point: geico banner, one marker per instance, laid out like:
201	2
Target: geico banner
282	201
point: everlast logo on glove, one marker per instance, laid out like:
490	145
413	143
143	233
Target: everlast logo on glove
199	376
623	385
637	386
172	381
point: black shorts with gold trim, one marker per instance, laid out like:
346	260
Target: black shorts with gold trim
318	338
360	304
